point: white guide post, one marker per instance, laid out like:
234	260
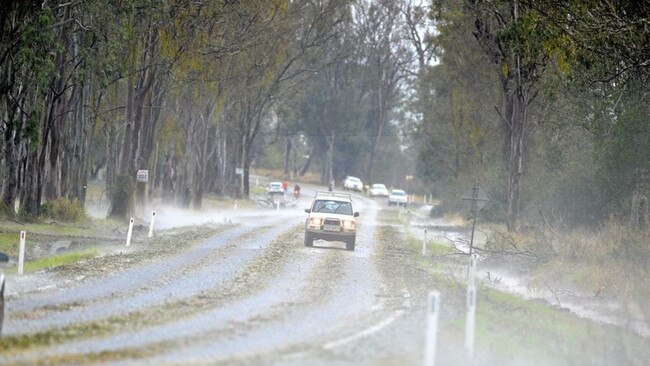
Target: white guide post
424	243
235	207
431	338
153	219
21	254
470	320
129	233
277	206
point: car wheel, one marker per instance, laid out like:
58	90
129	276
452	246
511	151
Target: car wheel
309	240
349	244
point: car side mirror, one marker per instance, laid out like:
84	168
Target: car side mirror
307	210
356	214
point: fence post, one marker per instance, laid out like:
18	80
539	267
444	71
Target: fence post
431	338
129	232
470	319
21	254
153	219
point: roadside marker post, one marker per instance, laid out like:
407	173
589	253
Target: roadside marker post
129	233
235	207
153	219
424	243
431	338
470	319
277	206
21	254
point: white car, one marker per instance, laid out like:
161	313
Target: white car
353	184
397	197
275	187
378	190
331	218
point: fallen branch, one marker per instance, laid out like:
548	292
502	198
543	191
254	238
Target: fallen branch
16	221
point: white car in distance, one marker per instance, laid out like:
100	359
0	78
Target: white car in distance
352	184
378	190
397	197
274	188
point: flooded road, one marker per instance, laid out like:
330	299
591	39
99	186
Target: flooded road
251	293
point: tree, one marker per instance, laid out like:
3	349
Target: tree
516	42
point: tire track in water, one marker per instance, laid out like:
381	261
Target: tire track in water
130	279
170	288
351	290
287	287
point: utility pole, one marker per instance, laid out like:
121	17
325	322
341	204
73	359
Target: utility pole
478	200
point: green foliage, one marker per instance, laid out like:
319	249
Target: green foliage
59	260
9	243
64	209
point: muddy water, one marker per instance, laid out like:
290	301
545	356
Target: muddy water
517	282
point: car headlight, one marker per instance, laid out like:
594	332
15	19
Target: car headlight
347	224
315	221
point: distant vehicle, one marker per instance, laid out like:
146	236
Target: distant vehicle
275	187
352	184
331	218
378	190
397	196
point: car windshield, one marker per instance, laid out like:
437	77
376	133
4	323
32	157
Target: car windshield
335	207
398	193
379	186
276	185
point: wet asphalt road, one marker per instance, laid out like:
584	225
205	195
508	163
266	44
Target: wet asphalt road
254	294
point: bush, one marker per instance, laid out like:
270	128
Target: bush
64	209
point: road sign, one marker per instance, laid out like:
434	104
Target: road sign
239	171
142	176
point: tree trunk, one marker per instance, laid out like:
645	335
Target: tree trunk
287	155
639	209
515	127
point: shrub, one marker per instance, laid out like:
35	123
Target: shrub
64	209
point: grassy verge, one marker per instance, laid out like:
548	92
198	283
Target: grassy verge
514	331
434	248
59	260
9	243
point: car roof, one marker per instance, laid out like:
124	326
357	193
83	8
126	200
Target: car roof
275	183
333	196
353	178
378	185
397	191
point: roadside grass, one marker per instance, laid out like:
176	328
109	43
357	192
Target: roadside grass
9	243
514	331
434	248
59	260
